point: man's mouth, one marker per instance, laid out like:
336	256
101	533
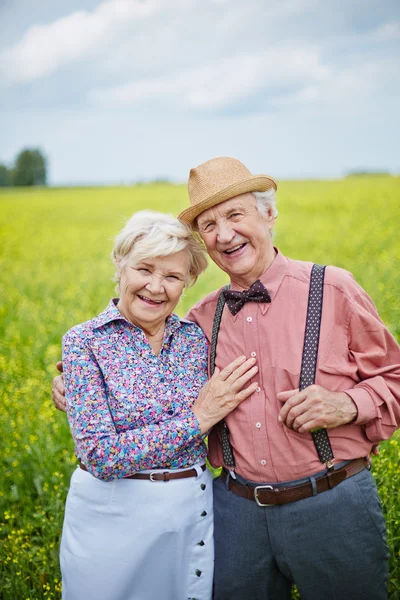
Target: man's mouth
235	249
150	301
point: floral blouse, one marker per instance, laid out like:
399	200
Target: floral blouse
128	409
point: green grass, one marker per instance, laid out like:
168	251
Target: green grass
56	272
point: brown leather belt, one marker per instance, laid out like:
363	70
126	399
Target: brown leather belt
157	476
269	495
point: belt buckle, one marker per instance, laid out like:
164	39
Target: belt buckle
262	487
152	475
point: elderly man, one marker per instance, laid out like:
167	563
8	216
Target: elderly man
296	502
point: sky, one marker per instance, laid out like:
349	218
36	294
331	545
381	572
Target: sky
130	90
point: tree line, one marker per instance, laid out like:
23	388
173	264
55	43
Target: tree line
29	168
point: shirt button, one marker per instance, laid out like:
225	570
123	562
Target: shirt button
263	462
258	389
249	319
253	354
258	425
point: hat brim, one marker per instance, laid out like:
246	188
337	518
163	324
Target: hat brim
254	183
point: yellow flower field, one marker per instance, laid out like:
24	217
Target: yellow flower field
55	271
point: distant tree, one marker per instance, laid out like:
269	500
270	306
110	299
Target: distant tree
161	180
5	176
30	168
368	173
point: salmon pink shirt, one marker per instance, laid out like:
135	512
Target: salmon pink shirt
357	354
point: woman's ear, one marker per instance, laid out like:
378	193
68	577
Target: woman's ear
119	266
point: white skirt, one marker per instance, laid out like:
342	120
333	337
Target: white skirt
130	539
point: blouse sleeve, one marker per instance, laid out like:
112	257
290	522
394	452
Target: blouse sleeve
105	453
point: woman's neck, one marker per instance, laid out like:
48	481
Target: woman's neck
155	339
154	332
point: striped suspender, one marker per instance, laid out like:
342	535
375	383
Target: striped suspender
308	364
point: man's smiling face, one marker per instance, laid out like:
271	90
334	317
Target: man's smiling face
237	237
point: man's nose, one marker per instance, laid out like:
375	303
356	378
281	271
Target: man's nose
224	233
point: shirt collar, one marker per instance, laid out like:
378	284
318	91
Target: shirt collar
111	313
273	277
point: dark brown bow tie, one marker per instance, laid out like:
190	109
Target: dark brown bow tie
236	300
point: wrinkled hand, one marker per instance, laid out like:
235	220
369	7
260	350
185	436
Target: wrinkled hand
58	390
224	392
315	408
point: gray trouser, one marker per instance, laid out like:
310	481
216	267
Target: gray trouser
332	546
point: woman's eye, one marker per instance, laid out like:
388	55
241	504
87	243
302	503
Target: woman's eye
173	277
143	270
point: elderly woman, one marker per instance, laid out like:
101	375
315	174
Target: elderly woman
138	519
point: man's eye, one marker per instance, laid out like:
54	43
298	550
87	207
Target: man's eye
236	214
207	227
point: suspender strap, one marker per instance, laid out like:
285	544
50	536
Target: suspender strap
227	451
310	354
308	364
215	330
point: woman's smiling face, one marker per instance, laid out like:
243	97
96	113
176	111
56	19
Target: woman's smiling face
151	288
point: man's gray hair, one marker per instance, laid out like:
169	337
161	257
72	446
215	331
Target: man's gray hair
149	234
266	200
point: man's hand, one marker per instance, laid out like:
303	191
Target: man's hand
224	392
315	408
58	390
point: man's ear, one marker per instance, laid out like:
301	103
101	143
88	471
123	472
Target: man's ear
270	218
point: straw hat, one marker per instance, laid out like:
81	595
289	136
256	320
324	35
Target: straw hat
218	180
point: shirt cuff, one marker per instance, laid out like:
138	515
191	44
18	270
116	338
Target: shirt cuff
192	427
364	403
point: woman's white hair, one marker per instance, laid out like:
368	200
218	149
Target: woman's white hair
266	200
149	234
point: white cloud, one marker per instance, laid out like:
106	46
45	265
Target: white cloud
308	95
220	83
387	32
190	27
44	48
350	92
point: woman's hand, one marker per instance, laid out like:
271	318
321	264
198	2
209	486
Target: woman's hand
224	392
58	390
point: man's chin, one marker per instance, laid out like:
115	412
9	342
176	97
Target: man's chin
236	269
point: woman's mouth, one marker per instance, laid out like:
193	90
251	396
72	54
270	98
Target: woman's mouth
149	301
